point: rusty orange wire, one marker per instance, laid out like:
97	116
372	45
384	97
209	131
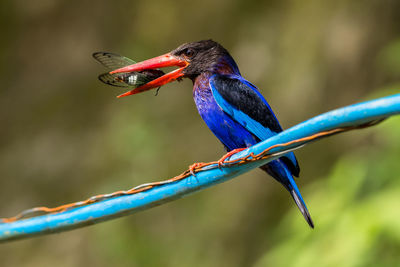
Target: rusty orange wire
192	170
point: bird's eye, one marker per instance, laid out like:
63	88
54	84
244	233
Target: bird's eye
189	52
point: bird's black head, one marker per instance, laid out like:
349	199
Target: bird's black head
192	59
203	56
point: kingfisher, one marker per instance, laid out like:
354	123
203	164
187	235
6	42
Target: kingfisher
232	107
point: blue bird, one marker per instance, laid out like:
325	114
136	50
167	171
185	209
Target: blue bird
232	107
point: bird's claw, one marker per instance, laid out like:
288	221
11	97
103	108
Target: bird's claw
193	167
221	161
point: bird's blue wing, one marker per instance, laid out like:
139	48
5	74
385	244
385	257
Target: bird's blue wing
242	101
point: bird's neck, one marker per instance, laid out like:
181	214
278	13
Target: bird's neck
224	66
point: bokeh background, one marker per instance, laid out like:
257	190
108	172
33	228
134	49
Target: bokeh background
64	136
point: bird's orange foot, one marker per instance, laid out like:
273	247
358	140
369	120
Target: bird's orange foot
221	161
193	167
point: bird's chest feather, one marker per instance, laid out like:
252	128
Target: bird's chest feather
228	131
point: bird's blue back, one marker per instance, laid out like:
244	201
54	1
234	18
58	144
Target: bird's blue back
226	129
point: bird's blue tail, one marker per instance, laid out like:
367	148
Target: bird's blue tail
281	173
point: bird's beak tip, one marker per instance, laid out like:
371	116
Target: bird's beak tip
125	94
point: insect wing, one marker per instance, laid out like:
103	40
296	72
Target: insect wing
109	79
112	61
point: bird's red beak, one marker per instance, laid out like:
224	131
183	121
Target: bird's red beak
166	60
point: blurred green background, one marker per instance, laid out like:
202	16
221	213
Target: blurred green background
64	136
